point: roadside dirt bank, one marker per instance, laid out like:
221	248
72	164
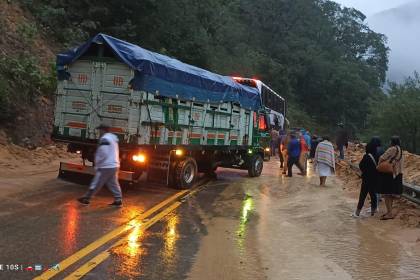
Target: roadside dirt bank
23	169
407	213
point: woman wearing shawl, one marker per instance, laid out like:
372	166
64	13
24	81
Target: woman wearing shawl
390	185
325	160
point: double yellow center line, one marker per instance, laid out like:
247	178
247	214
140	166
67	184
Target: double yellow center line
170	203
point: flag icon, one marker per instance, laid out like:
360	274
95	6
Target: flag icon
29	268
38	267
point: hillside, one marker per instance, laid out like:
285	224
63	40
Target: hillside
401	27
26	77
317	55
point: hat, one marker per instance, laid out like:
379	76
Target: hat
103	126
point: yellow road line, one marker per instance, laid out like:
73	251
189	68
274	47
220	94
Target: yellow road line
106	238
97	260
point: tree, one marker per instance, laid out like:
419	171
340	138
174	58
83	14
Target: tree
399	113
322	58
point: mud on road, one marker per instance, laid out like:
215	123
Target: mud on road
271	227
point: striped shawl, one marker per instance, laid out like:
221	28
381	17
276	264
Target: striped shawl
325	154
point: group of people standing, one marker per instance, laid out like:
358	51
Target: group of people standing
381	176
381	169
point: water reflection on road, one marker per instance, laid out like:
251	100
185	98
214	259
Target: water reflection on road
69	228
247	207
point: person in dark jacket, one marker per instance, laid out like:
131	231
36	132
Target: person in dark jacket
293	151
314	143
342	140
369	180
379	150
376	145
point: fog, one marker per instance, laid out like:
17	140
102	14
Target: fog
371	7
401	25
399	20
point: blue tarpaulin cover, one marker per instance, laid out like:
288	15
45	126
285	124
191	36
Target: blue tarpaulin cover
169	76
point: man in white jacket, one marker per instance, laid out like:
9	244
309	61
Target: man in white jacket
107	163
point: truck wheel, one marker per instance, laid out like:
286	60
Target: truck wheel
185	173
255	166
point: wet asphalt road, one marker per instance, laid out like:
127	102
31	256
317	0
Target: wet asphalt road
235	227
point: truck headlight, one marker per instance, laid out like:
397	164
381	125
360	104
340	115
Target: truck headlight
141	158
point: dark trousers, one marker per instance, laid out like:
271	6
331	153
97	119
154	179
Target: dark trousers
365	189
281	157
293	161
341	151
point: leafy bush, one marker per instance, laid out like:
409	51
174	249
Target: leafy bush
21	82
27	32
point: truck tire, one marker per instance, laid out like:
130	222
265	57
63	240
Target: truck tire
255	165
186	173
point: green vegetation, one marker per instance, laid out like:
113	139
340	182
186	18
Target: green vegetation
27	32
21	82
323	58
398	113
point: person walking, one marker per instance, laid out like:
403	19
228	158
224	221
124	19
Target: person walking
293	152
274	142
369	180
106	164
282	139
304	151
325	160
390	169
285	145
314	143
342	140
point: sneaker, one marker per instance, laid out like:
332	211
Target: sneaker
369	211
83	200
354	215
116	203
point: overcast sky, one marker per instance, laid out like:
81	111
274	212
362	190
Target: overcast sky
371	7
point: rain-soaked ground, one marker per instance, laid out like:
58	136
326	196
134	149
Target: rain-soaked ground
271	227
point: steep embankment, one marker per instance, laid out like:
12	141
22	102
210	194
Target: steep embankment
26	82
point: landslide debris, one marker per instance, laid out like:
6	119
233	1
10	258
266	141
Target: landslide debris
407	212
14	158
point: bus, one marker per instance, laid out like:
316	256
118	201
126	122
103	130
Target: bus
271	100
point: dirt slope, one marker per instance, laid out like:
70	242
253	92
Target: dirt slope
21	37
407	213
16	38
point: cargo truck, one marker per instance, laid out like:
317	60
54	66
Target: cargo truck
173	120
